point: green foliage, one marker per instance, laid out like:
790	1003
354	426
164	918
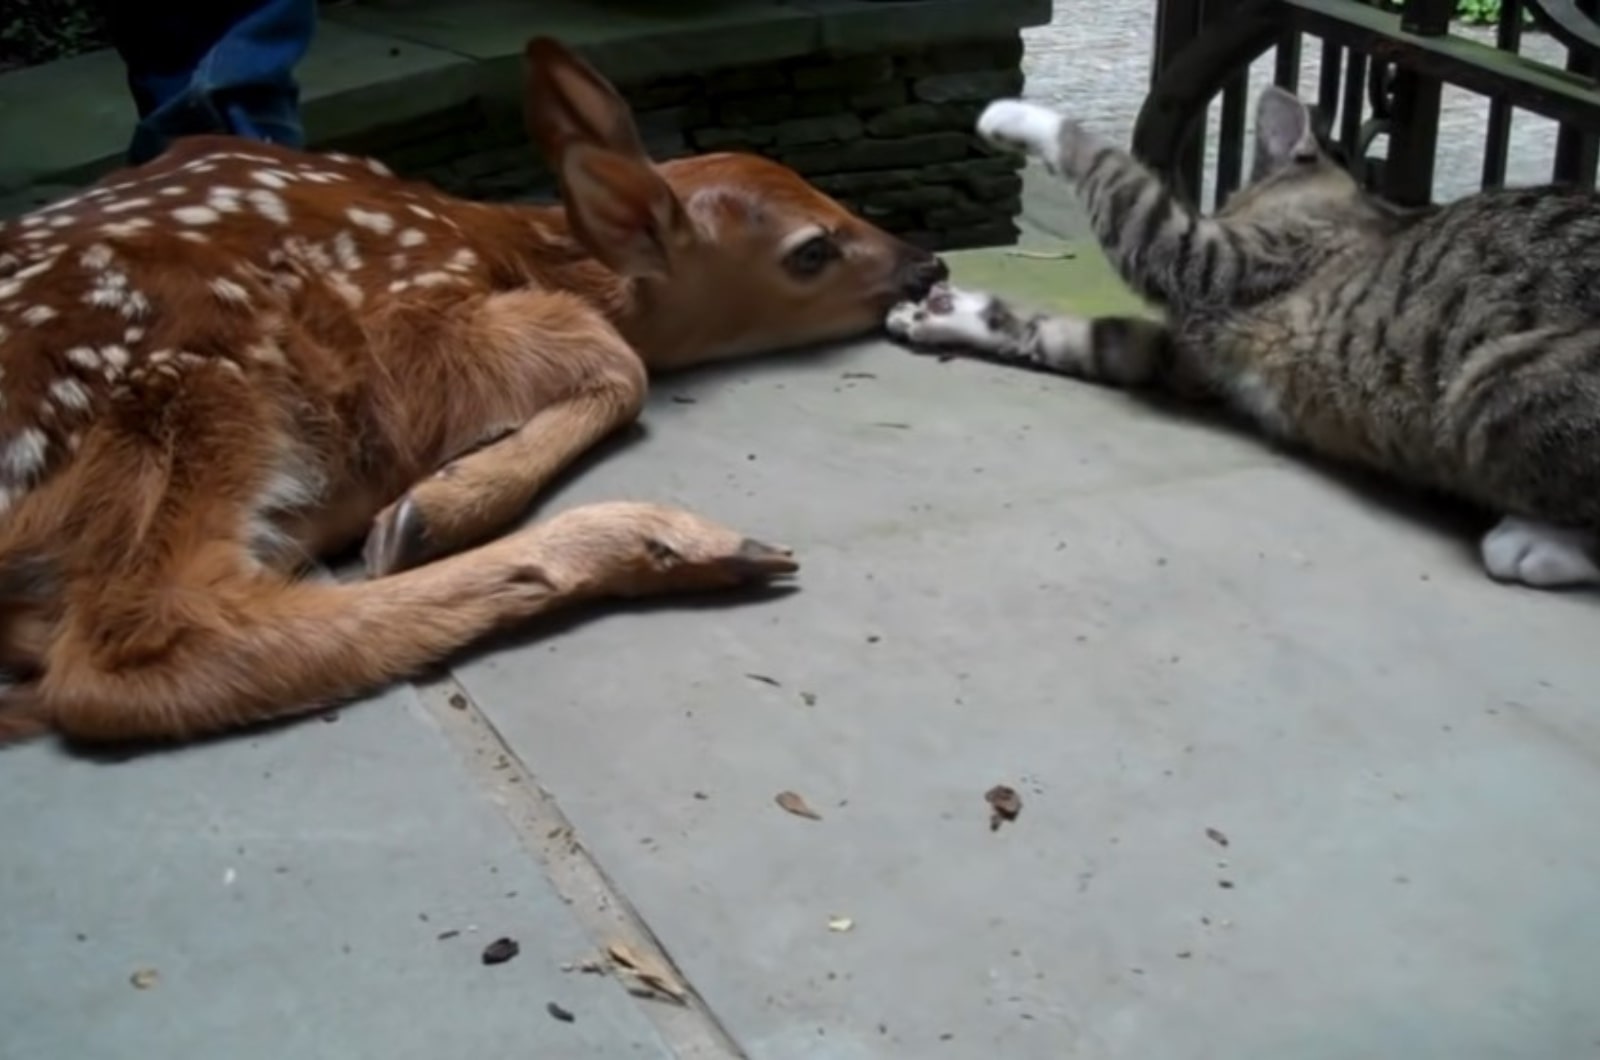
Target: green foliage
37	31
1484	12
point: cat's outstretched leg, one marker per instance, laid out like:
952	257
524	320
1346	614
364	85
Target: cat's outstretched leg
1123	351
1161	246
1540	555
1027	128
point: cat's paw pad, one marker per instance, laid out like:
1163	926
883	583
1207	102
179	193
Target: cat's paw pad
947	317
1539	555
1016	125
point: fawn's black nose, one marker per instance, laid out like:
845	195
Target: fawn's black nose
920	272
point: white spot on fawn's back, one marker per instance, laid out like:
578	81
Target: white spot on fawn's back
374	220
135	306
38	314
123	229
342	286
344	251
110	290
269	204
38	267
228	291
412	237
23	456
70	394
224	199
97	257
196	215
267	351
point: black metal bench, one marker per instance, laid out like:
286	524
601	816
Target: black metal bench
1382	68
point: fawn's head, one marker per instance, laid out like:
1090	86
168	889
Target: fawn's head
727	254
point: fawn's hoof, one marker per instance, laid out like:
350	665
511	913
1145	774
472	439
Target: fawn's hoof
398	540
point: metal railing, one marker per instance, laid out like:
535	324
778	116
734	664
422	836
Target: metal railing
1382	69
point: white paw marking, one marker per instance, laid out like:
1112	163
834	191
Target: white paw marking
1539	555
947	317
1015	125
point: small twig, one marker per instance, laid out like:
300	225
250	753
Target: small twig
1042	255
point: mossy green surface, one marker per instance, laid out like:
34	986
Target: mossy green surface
1070	277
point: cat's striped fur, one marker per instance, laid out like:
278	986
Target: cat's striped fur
1455	346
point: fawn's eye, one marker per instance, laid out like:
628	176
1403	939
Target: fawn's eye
811	257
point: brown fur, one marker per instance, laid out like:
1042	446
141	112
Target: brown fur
206	389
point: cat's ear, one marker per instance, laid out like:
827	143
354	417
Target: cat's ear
1284	131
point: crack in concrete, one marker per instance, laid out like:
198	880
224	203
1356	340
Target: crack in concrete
692	1031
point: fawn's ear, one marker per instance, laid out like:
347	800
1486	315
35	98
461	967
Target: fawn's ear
569	102
1284	130
623	212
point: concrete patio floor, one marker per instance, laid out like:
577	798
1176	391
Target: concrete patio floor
1297	780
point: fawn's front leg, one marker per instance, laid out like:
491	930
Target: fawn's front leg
264	648
588	381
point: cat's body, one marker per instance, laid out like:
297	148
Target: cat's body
1457	347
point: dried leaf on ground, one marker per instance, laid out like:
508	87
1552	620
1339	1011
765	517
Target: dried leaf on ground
792	802
1216	837
841	923
1005	804
500	951
144	978
648	972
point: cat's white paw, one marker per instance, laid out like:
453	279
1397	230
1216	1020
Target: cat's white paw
947	317
1539	555
1016	125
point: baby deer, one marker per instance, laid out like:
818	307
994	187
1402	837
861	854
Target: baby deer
239	358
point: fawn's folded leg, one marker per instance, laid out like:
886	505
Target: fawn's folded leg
213	66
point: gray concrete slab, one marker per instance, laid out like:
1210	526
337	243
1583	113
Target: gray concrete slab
289	891
1150	628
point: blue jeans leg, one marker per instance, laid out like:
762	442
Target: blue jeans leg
214	66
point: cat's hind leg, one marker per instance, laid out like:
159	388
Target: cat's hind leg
1122	351
1539	555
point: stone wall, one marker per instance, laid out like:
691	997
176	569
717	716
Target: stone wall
889	134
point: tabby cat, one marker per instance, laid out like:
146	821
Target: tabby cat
1457	346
